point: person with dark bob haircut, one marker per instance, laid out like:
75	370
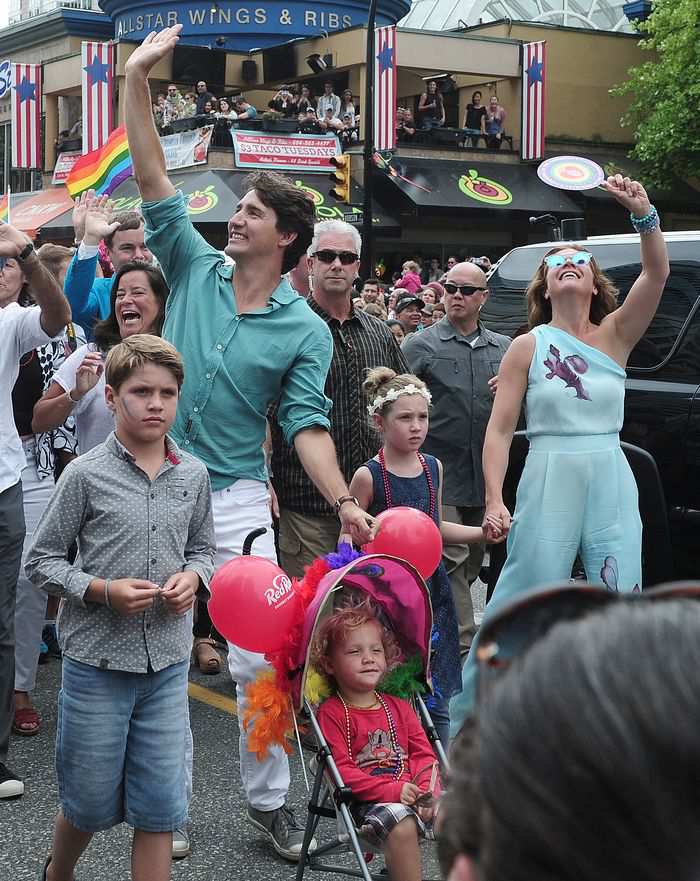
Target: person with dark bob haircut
247	339
583	763
577	493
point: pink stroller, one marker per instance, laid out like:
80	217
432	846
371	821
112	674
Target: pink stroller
400	592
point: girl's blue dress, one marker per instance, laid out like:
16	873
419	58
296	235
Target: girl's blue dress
413	492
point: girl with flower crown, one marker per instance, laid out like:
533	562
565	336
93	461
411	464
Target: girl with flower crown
401	475
380	749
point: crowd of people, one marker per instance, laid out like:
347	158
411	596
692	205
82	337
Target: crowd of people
154	440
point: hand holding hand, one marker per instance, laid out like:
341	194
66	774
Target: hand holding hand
154	48
87	375
179	592
496	522
629	193
357	523
131	596
97	223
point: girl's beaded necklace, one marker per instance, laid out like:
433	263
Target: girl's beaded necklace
393	733
387	485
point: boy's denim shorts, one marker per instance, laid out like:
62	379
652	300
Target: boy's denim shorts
120	747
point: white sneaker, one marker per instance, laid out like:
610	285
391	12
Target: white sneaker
10	784
181	844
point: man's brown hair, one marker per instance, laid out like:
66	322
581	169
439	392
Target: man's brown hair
135	352
294	209
54	256
126	220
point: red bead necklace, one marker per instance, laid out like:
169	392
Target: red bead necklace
393	733
428	477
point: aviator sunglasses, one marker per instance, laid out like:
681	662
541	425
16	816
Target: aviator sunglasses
345	257
523	622
466	290
580	258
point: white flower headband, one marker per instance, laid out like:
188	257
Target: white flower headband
394	393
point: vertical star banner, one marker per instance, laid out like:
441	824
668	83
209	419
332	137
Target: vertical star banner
97	63
26	115
533	86
385	88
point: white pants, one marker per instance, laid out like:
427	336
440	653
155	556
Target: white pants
238	510
30	608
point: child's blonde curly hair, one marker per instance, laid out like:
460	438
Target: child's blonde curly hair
354	610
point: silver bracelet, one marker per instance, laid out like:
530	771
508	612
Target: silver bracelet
108	581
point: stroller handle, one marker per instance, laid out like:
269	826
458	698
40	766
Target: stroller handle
250	538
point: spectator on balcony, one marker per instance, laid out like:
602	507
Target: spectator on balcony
405	125
243	108
308	123
306	101
347	105
432	272
190	104
328	99
225	110
174	105
211	108
329	122
76	130
495	119
284	103
159	110
348	133
431	109
474	120
60	142
203	95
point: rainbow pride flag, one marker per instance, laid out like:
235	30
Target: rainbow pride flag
104	169
5	208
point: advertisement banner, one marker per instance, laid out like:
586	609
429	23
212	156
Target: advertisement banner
284	152
64	164
186	148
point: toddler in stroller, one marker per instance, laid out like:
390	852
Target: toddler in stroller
379	746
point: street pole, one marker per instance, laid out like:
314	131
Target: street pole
367	245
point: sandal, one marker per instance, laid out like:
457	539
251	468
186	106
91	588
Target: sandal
207	658
26	722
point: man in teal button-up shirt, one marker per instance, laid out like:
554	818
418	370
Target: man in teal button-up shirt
247	340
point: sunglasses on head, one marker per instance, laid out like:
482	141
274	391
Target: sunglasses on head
466	290
345	257
580	258
520	625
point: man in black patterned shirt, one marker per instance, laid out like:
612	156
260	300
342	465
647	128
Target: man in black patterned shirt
308	524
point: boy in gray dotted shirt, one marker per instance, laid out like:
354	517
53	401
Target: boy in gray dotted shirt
140	511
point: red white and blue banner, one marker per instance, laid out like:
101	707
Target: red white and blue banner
26	115
533	92
385	88
97	78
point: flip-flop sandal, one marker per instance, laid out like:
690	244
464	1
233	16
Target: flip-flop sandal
26	716
206	655
46	866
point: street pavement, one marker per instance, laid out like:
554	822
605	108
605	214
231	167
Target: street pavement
225	846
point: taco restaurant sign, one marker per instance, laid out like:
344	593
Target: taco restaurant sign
244	26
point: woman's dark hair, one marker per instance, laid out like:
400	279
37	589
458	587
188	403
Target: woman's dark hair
474	94
294	209
106	333
584	760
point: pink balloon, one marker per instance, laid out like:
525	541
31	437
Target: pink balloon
253	603
411	535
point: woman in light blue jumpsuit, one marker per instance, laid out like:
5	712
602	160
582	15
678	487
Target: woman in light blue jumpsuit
577	493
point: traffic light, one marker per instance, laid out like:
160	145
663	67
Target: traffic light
341	178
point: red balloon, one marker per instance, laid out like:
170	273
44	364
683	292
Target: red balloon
253	603
411	535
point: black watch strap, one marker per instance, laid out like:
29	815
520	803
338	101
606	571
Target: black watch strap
25	252
341	501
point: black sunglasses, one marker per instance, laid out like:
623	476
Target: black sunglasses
466	290
345	257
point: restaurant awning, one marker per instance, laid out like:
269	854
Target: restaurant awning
212	196
32	211
446	186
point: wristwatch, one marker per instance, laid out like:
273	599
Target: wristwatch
25	252
342	500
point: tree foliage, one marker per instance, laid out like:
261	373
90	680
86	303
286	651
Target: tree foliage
665	94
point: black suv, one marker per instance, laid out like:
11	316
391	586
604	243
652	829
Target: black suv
662	403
